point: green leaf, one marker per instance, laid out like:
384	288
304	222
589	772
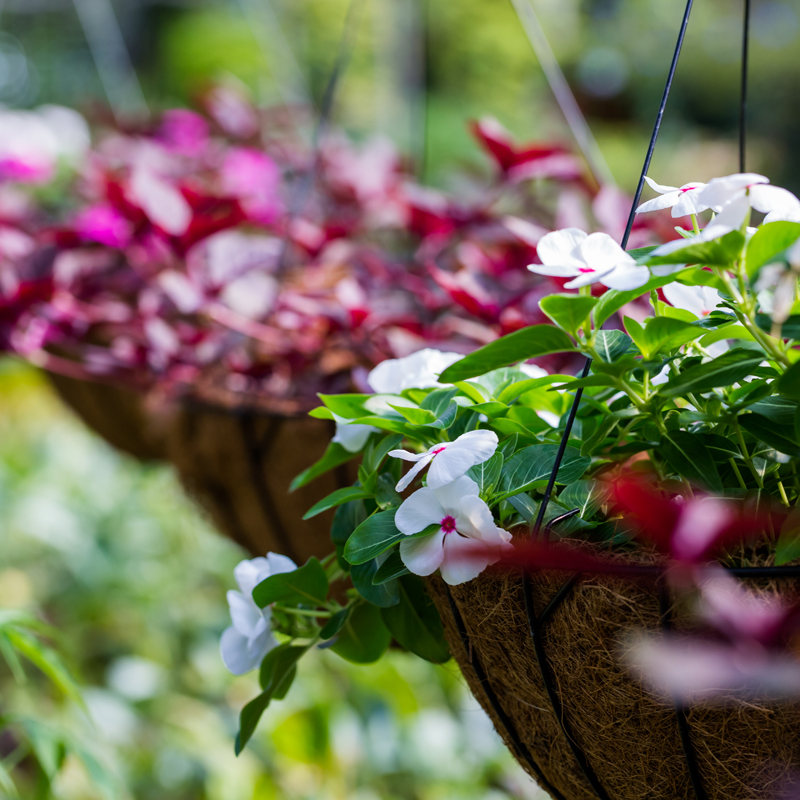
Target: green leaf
345	520
416	416
334	456
364	638
611	345
277	669
334	624
376	534
515	390
307	585
588	496
438	401
392	568
768	242
487	473
789	330
415	623
780	437
789	383
336	498
661	334
612	301
378	449
730	367
535	463
382	595
569	311
780	410
690	458
249	718
720	252
537	340
349	406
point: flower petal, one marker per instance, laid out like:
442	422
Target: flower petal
720	191
773	199
424	555
416	512
625	279
245	614
601	252
657	203
420	370
405	481
279	564
561	248
689	202
475	520
452	495
657	187
250	573
469	449
352	437
235	654
461	562
553	270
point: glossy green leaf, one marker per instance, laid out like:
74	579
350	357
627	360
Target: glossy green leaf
393	567
307	585
730	367
719	252
613	300
535	463
768	242
789	383
661	334
416	416
588	496
376	534
779	436
336	498
537	340
334	456
569	311
364	637
691	459
334	624
379	594
611	345
415	623
487	474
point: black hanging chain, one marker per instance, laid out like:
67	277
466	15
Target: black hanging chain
743	95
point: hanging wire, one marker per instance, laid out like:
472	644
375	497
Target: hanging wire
743	95
111	58
562	92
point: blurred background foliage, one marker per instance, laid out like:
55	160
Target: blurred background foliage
132	581
110	553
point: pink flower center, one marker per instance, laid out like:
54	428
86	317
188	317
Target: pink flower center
438	450
585	269
448	524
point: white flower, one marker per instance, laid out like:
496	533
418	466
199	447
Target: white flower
588	258
351	437
683	200
244	645
699	300
733	197
448	460
420	370
463	518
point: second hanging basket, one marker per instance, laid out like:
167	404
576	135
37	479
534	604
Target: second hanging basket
605	727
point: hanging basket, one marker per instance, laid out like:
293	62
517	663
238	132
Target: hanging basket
598	725
116	414
238	464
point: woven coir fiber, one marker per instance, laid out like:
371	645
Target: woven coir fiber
239	464
117	415
744	749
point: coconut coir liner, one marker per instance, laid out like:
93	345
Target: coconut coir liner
630	738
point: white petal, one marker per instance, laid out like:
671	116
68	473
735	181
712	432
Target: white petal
657	203
601	252
474	519
773	199
624	279
250	573
405	481
560	248
352	437
785	215
585	278
420	370
689	202
471	448
424	555
235	654
657	187
732	217
720	191
381	405
453	494
279	564
460	562
245	614
554	270
416	512
407	455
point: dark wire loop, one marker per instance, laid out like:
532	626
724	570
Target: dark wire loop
689	754
494	702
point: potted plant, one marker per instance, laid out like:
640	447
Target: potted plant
664	552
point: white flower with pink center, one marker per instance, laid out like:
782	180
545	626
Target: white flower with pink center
448	460
462	519
683	200
699	300
588	258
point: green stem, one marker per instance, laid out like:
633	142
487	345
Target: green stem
306	612
737	473
746	455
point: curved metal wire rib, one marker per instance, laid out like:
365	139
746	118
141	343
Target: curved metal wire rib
494	702
533	621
